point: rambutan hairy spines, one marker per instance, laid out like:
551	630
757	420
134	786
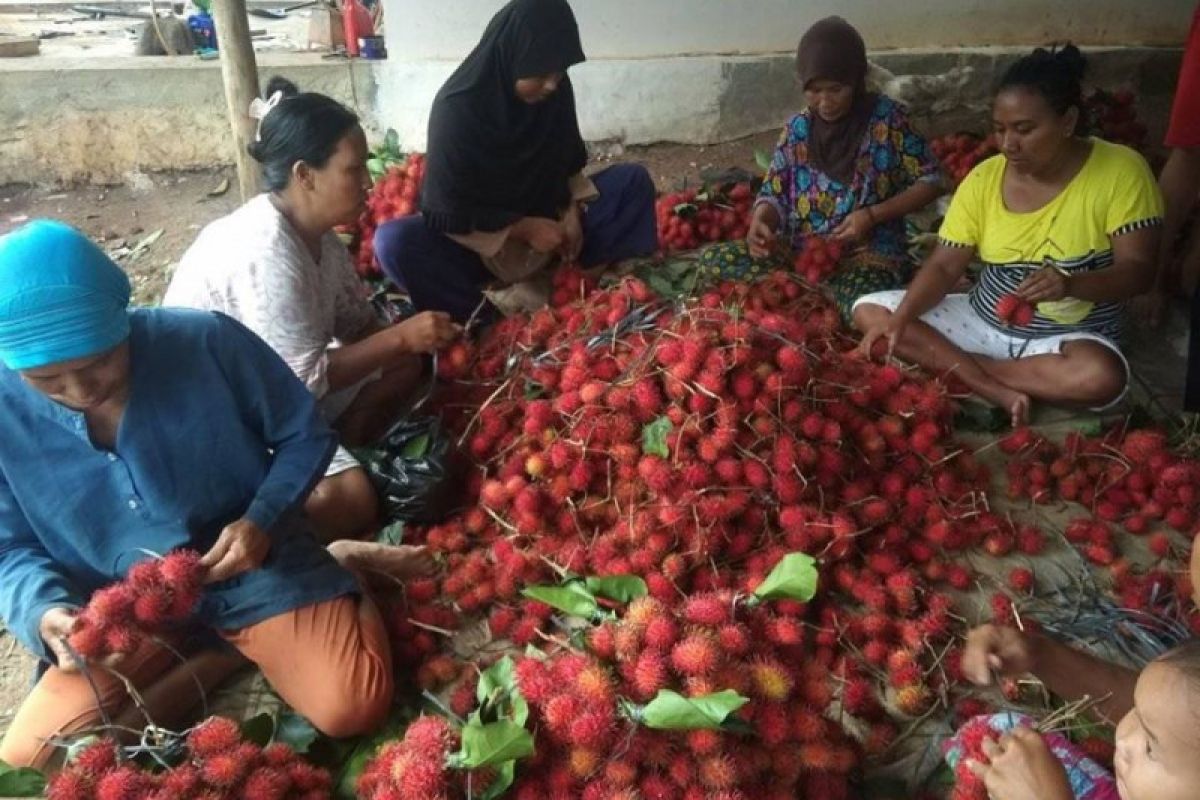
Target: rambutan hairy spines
708	609
696	655
214	736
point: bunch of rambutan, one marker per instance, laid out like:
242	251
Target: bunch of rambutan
156	593
219	765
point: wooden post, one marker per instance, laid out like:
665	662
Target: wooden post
239	72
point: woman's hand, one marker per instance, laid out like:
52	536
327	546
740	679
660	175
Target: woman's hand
55	626
543	235
572	227
1022	768
761	236
889	328
996	650
1045	285
241	547
426	332
855	227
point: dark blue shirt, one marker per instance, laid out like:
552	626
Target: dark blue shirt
216	428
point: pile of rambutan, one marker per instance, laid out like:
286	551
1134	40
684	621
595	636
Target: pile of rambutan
694	444
219	765
156	593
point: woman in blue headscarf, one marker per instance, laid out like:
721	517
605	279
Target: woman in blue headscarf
129	432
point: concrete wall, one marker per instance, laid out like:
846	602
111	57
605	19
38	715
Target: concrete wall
95	120
703	71
618	29
693	71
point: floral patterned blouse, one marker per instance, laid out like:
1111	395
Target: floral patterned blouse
892	158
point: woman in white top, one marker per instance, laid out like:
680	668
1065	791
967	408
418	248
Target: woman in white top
277	266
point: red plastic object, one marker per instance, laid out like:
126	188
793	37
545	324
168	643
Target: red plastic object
357	22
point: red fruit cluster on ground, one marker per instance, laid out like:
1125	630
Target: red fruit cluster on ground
690	218
960	152
414	768
1014	310
394	195
1113	116
818	258
218	765
156	593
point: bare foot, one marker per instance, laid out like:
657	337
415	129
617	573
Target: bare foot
373	560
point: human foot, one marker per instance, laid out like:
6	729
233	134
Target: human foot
372	560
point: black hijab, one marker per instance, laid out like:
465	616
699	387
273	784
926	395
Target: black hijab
833	50
493	158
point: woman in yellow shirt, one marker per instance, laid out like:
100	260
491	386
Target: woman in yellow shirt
1066	223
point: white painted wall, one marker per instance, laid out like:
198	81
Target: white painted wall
675	69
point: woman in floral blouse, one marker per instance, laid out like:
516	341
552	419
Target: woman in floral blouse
849	167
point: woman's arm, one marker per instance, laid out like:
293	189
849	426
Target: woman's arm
32	585
1131	274
387	347
993	651
936	277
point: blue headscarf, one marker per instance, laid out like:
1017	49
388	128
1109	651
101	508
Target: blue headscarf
61	297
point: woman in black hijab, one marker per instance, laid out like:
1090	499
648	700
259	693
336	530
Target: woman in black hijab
504	195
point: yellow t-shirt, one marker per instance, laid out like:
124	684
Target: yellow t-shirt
1114	193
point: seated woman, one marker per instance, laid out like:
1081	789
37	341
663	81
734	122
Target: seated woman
135	431
849	167
504	196
1061	221
1153	713
277	266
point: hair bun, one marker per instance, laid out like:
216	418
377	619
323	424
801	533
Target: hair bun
282	85
1071	59
255	149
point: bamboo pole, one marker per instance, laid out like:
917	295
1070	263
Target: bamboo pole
239	73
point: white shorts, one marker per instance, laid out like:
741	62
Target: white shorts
333	405
955	319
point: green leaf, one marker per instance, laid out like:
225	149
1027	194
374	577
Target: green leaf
763	159
505	774
416	447
495	680
671	711
497	690
622	588
493	744
392	534
296	732
376	168
259	729
654	437
573	598
21	781
794	578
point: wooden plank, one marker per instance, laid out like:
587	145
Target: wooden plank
239	71
17	46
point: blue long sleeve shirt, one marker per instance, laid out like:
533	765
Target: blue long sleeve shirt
216	428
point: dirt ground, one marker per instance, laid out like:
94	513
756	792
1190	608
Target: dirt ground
125	216
179	204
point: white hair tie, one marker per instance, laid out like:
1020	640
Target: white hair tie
259	109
